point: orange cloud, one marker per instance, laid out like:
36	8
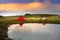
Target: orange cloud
29	6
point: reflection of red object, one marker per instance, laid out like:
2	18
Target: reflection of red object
21	24
21	19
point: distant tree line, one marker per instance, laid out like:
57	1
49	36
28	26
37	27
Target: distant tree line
41	15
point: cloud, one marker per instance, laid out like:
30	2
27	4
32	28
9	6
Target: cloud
55	1
29	6
16	1
28	1
45	7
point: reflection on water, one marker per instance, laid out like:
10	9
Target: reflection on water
34	31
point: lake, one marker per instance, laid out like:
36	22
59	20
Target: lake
34	31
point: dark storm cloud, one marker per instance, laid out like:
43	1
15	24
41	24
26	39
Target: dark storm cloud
27	1
41	0
19	1
55	1
16	1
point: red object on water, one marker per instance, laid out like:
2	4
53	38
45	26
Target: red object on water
21	18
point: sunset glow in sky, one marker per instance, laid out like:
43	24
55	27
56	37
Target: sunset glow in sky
29	6
32	6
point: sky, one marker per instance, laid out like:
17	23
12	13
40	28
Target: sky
9	7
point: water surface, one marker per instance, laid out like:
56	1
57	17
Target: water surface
34	31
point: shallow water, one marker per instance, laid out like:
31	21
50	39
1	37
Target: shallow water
34	31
